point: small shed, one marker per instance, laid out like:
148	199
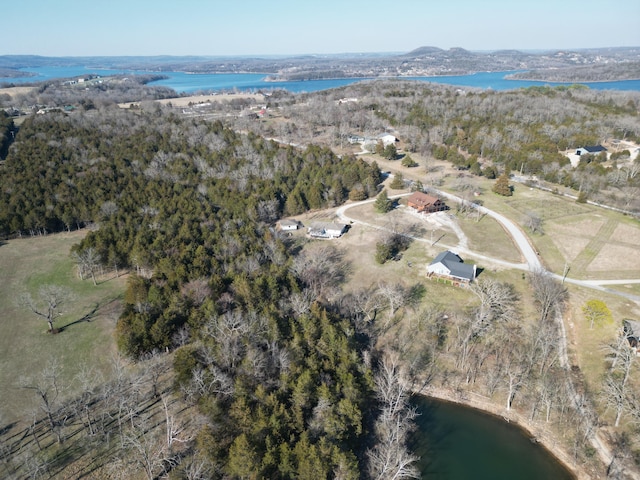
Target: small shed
288	224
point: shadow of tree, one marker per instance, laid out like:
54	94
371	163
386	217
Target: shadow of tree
88	316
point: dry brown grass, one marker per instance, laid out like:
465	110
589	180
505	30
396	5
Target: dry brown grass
588	347
199	99
15	91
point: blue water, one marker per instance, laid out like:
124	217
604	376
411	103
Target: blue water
187	83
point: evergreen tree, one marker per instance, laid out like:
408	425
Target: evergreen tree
582	197
383	203
398	182
502	187
384	252
407	161
390	152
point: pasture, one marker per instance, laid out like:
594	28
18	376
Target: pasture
594	243
87	321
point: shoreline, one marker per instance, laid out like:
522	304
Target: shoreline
571	82
535	432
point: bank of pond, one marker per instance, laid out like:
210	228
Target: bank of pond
455	442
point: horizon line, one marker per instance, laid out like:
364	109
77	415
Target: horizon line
287	55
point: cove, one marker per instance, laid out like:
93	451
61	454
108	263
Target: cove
186	83
455	442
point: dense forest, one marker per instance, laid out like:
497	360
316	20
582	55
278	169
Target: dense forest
286	372
286	386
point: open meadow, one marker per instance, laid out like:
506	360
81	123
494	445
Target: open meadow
593	242
86	325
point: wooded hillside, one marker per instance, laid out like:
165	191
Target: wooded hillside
285	370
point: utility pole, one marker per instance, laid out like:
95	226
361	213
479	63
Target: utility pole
566	270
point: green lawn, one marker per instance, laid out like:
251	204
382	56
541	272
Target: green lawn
26	347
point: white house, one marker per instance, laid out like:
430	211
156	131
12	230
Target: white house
326	230
451	266
593	150
387	139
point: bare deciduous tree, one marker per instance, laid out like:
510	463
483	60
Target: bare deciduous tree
48	390
617	347
197	290
549	295
390	458
321	270
498	301
616	389
533	222
87	261
395	296
50	300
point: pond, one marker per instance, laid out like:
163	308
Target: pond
455	442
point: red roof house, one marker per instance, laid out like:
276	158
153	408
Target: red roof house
425	203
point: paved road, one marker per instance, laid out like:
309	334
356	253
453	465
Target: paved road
532	263
521	240
530	255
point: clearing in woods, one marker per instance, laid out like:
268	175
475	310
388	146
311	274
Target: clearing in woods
87	322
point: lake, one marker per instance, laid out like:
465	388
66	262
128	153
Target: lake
460	443
188	83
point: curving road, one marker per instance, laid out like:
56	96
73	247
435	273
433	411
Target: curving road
528	252
532	263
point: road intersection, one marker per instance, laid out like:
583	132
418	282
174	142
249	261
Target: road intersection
532	262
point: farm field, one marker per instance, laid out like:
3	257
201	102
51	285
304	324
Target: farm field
87	323
593	242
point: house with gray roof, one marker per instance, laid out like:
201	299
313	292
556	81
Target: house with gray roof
288	224
450	266
592	149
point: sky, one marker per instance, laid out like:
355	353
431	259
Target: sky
291	27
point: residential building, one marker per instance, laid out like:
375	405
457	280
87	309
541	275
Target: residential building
423	202
450	266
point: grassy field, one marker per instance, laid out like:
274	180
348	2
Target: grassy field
595	243
87	323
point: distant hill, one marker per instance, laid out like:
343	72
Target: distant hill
424	51
422	61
